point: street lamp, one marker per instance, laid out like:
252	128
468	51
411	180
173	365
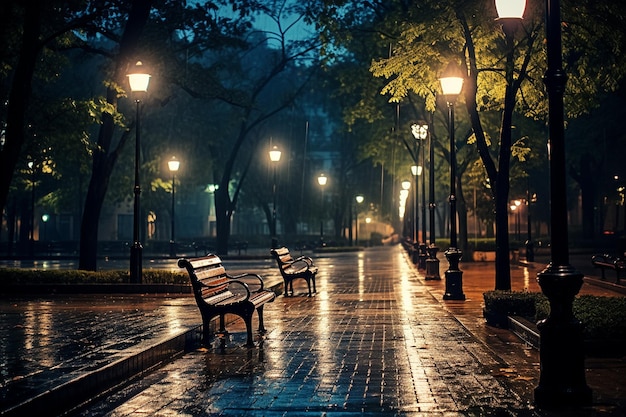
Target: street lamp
562	360
514	210
451	85
416	170
420	132
138	80
322	180
173	164
275	154
404	194
359	199
31	241
44	218
530	250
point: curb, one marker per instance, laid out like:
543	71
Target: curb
91	384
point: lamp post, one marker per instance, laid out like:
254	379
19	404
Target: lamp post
515	213
322	180
44	218
416	171
404	193
359	199
138	80
562	360
530	250
31	240
432	263
275	154
451	85
173	165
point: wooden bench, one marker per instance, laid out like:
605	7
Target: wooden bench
290	269
218	293
605	261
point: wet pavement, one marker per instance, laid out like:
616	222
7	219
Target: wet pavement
377	339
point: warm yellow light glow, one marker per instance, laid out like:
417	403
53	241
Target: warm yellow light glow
139	79
406	184
451	86
510	9
452	80
359	199
322	180
275	154
173	164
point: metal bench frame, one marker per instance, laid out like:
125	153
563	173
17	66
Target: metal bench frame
290	269
217	293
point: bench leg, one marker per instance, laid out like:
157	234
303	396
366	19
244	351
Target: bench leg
313	279
248	319
288	286
222	323
259	311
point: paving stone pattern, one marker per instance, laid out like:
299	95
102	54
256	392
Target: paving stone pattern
372	342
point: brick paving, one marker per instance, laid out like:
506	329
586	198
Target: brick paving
376	340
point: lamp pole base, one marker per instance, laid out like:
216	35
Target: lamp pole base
432	264
454	276
561	353
135	263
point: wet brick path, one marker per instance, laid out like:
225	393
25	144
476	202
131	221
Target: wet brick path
45	342
372	342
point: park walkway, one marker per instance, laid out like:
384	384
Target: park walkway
376	340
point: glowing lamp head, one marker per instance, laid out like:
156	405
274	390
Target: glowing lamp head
275	154
173	164
510	9
139	79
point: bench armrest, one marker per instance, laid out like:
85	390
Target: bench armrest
241	288
306	259
254	282
300	263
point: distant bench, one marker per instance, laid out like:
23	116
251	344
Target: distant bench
290	268
218	293
605	261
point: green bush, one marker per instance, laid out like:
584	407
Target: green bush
602	317
512	303
13	276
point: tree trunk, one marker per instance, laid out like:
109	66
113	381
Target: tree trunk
222	219
19	97
104	161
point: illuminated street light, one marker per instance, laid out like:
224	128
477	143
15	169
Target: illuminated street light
274	154
451	85
138	80
561	353
322	180
173	165
359	200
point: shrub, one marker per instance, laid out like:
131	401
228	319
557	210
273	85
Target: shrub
13	276
602	317
511	303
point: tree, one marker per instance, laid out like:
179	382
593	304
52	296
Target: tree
256	77
504	71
